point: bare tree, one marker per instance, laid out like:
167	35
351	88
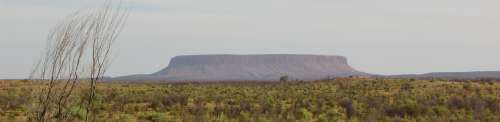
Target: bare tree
78	50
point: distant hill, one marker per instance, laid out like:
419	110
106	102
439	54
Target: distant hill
271	67
455	75
251	68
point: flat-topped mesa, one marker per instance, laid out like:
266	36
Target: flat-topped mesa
254	67
270	67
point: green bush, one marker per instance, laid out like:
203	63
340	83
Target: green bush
76	112
348	106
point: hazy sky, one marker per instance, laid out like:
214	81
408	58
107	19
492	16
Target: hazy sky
377	36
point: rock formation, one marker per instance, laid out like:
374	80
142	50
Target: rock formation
251	68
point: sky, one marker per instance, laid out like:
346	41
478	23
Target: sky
377	36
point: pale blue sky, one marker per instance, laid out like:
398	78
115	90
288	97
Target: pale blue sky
377	36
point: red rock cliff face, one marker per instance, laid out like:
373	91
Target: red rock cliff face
254	67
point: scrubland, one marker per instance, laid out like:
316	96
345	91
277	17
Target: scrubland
342	99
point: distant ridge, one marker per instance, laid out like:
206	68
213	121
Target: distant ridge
454	75
269	67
